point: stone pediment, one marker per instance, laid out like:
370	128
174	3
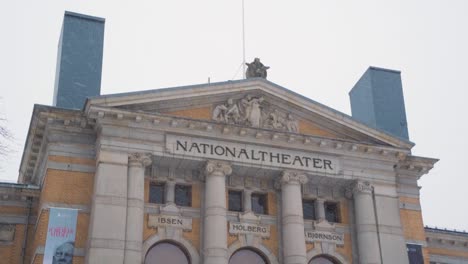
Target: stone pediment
253	103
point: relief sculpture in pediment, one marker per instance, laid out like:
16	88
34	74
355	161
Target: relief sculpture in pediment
254	111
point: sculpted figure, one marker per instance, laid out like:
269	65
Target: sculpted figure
291	124
252	114
274	120
256	69
219	113
232	112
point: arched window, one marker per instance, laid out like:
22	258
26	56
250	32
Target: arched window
247	256
321	260
165	252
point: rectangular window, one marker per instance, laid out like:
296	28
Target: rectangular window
332	212
156	193
308	209
259	203
415	254
183	195
235	201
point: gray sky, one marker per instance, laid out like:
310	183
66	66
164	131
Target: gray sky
316	48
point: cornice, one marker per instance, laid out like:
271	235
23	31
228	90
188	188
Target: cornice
175	124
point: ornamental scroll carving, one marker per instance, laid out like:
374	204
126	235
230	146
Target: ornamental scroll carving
291	177
217	168
139	159
254	111
359	187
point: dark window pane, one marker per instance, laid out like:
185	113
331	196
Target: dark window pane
331	212
308	208
246	256
415	254
259	203
235	201
156	193
164	253
183	195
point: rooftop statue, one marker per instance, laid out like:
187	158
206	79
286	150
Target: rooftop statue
256	69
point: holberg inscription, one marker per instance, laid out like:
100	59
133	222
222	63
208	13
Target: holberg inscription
251	154
245	228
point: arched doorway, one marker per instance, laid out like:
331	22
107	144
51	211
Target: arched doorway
166	252
322	260
247	256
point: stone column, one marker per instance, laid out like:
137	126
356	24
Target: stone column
135	207
320	209
215	222
247	200
366	229
107	224
170	192
294	249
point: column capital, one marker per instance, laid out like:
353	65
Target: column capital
359	187
139	159
292	177
217	168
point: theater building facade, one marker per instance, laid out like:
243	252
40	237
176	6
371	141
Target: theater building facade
169	171
233	172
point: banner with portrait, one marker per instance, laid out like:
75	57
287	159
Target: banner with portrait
61	231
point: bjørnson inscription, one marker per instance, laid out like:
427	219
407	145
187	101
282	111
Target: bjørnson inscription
321	236
253	154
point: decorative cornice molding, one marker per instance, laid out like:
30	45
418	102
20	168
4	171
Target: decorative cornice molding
217	168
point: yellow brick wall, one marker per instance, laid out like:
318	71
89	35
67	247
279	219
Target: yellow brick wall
11	253
413	226
195	113
311	129
196	195
346	250
194	235
272	242
69	187
344	212
72	160
271	199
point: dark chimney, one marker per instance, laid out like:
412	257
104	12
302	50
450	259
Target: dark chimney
79	60
377	100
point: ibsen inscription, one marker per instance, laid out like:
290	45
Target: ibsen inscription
169	221
255	154
321	236
245	228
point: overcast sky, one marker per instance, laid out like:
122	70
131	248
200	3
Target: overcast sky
316	48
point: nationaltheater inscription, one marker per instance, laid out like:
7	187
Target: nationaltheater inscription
321	236
260	155
245	228
169	221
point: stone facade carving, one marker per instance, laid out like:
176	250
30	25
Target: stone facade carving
359	187
214	168
139	159
291	177
254	111
7	232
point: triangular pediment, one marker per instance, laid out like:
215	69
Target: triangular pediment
255	103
